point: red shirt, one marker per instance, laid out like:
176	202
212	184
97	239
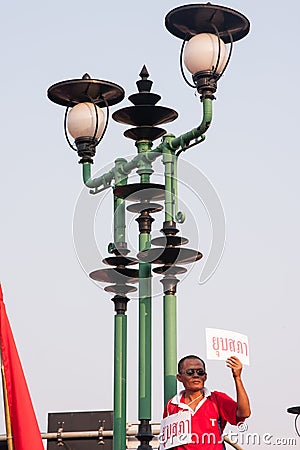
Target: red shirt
208	420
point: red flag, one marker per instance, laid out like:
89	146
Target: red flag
25	430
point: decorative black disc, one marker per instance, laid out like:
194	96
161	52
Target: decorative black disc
119	248
146	206
169	241
144	98
121	289
141	192
142	115
118	276
147	133
294	410
186	21
170	270
71	92
169	255
119	261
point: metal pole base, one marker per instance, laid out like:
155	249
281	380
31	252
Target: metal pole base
144	435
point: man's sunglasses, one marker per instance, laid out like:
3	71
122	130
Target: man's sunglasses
190	372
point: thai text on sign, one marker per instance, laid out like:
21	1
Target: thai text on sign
220	344
175	430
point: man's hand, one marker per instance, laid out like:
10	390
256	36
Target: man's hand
243	405
235	365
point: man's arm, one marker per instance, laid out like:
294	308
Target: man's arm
243	404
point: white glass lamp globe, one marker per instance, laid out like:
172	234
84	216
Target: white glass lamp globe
201	53
82	120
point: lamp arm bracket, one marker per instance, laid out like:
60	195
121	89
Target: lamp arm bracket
163	148
182	142
197	141
153	154
95	183
98	190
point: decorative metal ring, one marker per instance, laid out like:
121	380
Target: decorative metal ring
229	56
181	65
65	130
219	49
106	123
97	121
296	428
215	75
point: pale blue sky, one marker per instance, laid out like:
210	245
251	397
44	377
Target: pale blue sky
63	322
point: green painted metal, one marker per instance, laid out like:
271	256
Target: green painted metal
144	146
175	184
86	172
120	372
185	139
145	302
170	346
170	182
145	333
145	165
95	183
119	204
172	143
119	220
169	309
143	161
120	350
179	216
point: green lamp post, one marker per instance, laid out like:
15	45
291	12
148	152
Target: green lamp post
205	29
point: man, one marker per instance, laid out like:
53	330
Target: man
209	410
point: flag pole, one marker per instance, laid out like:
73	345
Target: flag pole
10	444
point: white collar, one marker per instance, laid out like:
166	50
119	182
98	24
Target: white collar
176	399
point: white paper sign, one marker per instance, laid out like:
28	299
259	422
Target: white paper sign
175	430
220	344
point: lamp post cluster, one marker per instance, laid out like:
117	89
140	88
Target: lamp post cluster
205	30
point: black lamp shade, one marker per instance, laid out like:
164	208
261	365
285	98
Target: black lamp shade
100	92
189	20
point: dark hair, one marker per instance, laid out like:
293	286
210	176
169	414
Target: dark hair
189	357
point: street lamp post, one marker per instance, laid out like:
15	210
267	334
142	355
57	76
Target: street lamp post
205	29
